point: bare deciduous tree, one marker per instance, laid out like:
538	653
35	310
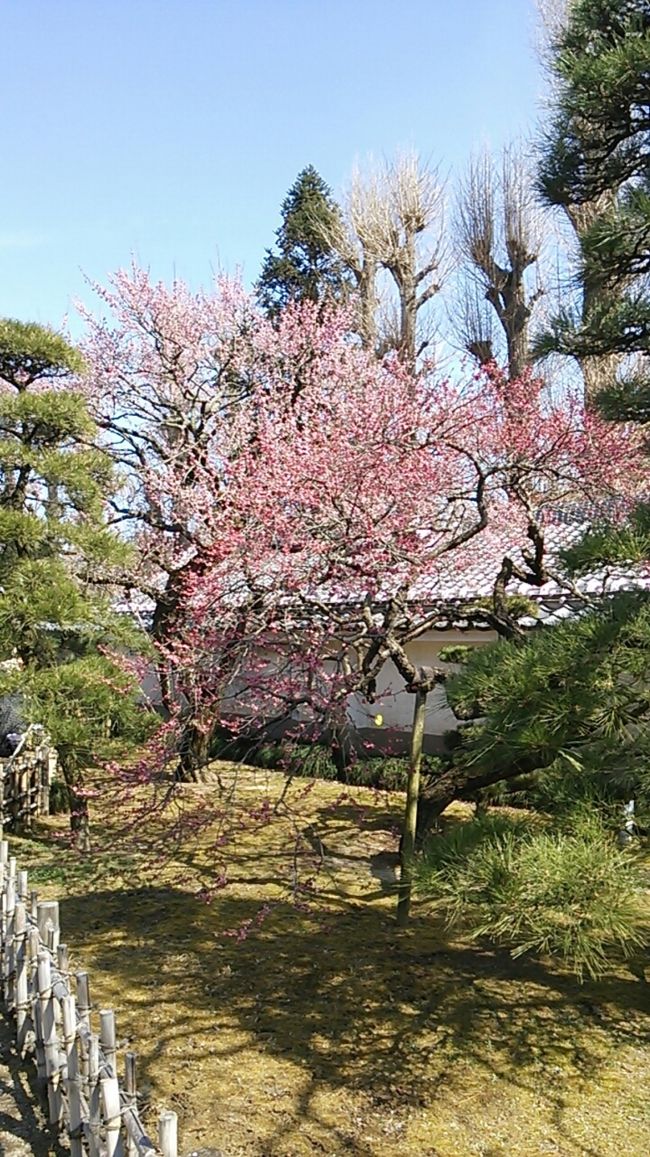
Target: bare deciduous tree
499	238
392	221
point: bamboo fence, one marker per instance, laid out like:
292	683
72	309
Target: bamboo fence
25	778
93	1108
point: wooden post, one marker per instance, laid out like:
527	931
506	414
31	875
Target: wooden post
21	885
168	1133
411	810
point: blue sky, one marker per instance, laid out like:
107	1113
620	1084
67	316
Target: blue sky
172	129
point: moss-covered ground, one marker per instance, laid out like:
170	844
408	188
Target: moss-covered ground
281	1014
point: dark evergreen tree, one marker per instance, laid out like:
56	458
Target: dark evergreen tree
304	265
596	165
57	625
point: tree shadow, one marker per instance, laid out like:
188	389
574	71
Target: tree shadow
395	1020
22	1105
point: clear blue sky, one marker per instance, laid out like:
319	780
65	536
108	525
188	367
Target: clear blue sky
172	129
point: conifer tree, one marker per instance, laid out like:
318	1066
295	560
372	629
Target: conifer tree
596	165
55	623
304	265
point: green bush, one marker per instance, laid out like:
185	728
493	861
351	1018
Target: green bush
569	894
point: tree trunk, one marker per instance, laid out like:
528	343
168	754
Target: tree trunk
458	783
598	370
194	753
411	809
341	744
80	821
78	804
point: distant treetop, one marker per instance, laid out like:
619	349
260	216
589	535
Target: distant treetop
303	266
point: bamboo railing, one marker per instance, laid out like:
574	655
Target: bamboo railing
93	1109
25	778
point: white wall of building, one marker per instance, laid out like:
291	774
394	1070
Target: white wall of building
395	705
390	715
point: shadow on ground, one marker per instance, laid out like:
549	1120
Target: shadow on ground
398	1020
23	1129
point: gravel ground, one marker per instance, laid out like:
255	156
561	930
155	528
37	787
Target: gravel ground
23	1131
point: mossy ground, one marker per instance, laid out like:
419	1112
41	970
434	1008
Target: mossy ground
325	1031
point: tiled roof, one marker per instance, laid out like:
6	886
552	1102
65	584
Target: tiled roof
554	601
473	577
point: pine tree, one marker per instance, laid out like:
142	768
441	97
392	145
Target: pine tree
596	165
304	266
54	542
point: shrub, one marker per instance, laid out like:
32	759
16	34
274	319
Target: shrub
569	894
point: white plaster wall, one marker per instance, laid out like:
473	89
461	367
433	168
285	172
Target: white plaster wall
395	704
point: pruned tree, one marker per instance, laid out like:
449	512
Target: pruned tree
498	232
56	624
392	221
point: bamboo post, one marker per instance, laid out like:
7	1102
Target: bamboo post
107	1037
73	1076
411	810
9	897
21	885
47	920
34	1040
168	1133
110	1093
94	1104
130	1089
83	1010
49	1034
4	860
62	963
21	986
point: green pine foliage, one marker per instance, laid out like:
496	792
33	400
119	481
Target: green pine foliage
570	894
597	154
573	702
304	266
621	544
29	351
56	622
